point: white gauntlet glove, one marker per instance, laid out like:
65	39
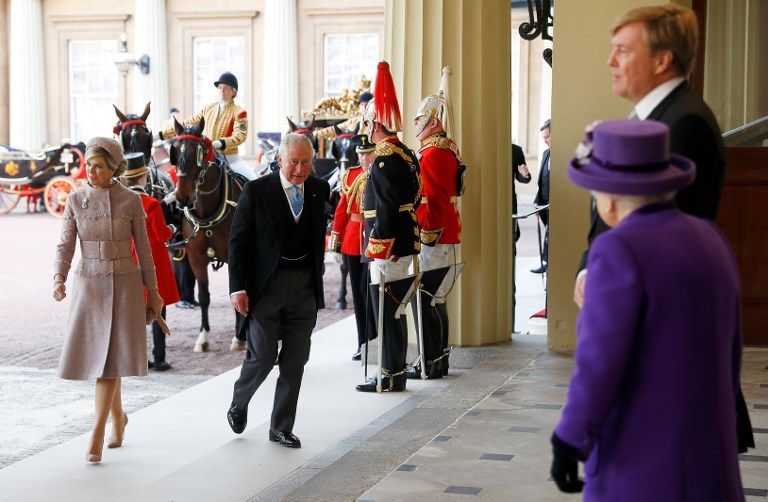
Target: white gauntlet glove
218	145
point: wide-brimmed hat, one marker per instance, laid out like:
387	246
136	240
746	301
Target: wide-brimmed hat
629	157
136	165
365	145
227	78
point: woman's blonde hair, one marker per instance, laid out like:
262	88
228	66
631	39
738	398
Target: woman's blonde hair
97	151
668	27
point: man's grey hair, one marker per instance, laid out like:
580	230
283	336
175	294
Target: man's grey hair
293	139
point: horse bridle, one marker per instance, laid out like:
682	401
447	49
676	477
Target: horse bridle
154	184
204	159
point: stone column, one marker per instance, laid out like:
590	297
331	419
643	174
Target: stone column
473	38
280	65
28	121
151	38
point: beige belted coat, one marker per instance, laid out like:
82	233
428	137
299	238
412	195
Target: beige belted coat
105	334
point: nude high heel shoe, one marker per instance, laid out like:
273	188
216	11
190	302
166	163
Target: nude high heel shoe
116	440
90	456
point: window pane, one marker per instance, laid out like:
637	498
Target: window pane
348	56
93	87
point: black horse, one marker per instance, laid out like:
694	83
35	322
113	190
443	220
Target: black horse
135	136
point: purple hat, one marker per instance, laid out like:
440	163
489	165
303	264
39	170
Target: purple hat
629	157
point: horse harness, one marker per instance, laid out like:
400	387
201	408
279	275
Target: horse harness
156	188
205	157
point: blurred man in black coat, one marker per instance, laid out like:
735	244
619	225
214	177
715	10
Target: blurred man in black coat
542	195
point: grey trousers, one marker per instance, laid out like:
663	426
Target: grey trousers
287	311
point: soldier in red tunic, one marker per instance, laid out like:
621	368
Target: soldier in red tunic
442	175
347	237
135	178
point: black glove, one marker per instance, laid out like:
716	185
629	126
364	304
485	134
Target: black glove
565	473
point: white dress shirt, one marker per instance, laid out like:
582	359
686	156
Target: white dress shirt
645	106
289	193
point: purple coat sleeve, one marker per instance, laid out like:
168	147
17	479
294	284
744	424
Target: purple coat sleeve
605	330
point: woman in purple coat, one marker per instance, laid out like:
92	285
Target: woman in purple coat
651	403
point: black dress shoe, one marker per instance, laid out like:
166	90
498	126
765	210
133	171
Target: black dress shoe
161	365
285	438
434	371
237	419
341	305
357	355
540	270
398	384
184	305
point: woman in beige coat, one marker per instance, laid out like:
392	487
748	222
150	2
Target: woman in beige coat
106	336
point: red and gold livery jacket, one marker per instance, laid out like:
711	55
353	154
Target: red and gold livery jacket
392	193
347	233
159	233
439	219
229	125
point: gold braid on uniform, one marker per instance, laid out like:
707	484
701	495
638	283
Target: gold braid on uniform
443	143
356	191
385	148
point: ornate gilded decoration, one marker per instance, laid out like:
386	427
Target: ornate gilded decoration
32	166
342	106
430	237
12	169
385	148
379	248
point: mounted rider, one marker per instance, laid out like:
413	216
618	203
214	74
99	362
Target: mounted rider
442	173
226	124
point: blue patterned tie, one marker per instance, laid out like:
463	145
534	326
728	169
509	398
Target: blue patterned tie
297	200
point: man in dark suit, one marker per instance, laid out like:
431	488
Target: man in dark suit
523	175
542	196
652	55
276	249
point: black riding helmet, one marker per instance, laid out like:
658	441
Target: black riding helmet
227	78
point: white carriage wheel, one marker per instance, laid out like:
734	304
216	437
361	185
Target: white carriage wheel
9	197
55	195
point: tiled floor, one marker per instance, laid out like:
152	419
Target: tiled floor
500	449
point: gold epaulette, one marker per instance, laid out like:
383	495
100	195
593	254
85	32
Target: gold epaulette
345	185
443	143
385	148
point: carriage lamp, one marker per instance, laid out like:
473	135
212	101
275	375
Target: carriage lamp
126	60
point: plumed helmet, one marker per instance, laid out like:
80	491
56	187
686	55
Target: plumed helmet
227	78
383	108
439	105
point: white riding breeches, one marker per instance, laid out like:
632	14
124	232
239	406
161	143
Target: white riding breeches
240	167
438	256
393	270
